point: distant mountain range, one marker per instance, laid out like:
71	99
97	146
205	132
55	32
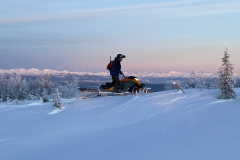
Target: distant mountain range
149	77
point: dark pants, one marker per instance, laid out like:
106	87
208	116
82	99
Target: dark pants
115	81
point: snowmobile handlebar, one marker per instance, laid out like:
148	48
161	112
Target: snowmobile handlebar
123	75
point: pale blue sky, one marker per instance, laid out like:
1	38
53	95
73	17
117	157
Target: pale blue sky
158	36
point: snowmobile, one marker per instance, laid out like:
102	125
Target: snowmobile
128	85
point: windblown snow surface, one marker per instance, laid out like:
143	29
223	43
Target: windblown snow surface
165	125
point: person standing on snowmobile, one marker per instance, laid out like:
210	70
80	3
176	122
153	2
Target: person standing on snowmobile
116	71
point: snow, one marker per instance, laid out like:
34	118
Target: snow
165	125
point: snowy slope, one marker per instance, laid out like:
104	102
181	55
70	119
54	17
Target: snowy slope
162	125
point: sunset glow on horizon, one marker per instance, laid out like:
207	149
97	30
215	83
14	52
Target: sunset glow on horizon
156	35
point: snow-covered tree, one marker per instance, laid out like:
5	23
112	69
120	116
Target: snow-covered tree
198	79
201	81
69	90
48	87
226	84
9	99
57	99
178	86
214	85
185	85
1	98
45	95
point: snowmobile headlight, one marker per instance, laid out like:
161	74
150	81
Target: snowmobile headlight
136	79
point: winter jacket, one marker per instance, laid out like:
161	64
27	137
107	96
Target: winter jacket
117	68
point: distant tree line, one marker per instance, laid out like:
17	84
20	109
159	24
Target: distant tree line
195	80
16	88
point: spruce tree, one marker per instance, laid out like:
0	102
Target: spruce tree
226	84
56	100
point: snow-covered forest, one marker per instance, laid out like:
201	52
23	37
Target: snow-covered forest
17	88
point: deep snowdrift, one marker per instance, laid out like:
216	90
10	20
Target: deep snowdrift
162	125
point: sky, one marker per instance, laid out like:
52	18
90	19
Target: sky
155	35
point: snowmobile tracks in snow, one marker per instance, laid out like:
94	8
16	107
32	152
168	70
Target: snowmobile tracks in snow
103	94
94	93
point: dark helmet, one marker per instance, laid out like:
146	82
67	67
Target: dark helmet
120	56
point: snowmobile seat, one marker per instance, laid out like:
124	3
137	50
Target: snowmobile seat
131	77
110	84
